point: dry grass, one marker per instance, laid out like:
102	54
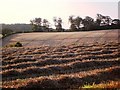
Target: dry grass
68	67
109	85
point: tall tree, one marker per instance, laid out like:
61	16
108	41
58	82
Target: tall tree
88	23
78	21
45	22
75	22
72	22
36	23
103	20
45	25
108	20
55	21
58	23
98	19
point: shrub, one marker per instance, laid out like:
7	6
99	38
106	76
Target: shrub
18	44
6	32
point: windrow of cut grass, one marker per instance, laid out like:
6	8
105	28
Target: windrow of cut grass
66	81
68	67
58	69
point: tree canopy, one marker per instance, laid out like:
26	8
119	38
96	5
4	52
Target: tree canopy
77	23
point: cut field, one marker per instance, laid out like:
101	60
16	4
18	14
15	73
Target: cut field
72	66
63	38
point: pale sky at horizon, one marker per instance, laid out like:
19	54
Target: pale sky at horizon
22	11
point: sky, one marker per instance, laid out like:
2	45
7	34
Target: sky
22	11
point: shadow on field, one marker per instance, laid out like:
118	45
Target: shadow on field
73	82
76	67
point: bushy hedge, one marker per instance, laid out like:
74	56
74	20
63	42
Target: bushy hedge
6	32
17	44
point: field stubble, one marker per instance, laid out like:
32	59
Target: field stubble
80	62
60	67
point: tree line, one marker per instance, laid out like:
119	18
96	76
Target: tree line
77	23
8	29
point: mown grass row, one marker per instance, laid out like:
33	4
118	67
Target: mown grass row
60	67
55	68
86	55
67	81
